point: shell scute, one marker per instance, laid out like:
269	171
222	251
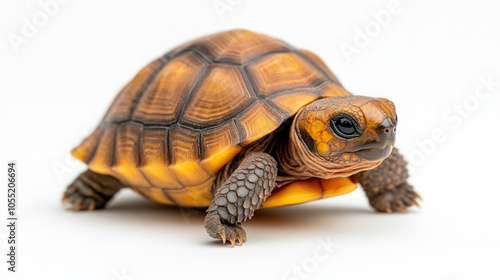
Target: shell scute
283	71
124	104
163	100
221	96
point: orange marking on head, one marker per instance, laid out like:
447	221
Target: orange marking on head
317	121
373	114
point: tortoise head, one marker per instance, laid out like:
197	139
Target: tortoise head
349	130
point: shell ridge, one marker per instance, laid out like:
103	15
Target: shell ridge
249	81
139	161
198	82
263	55
316	67
137	100
113	151
136	143
94	149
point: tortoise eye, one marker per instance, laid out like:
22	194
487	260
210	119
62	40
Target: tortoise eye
345	127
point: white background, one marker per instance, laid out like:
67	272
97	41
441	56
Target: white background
429	59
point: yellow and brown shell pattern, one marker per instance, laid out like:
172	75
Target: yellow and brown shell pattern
185	115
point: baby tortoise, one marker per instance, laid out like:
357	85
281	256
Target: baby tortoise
237	121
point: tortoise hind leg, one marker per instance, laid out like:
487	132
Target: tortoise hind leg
240	195
91	191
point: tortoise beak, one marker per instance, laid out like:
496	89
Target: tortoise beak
378	141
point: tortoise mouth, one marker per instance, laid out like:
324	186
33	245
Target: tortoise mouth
375	153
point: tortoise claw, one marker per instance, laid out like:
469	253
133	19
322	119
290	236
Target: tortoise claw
402	209
83	197
65	200
227	232
419	197
78	204
223	235
397	199
240	240
415	203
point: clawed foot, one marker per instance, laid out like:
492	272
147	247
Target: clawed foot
220	230
397	199
82	197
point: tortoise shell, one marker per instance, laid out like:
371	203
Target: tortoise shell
185	115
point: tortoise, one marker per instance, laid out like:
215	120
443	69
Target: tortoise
237	121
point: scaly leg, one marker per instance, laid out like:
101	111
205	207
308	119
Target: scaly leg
237	199
386	186
91	191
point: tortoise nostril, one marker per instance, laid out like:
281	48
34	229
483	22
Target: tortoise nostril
394	129
387	130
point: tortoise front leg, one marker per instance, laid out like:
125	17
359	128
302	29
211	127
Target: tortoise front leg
386	186
237	199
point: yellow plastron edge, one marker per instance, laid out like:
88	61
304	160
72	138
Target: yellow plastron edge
309	190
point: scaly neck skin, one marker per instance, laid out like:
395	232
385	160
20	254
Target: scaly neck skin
296	162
